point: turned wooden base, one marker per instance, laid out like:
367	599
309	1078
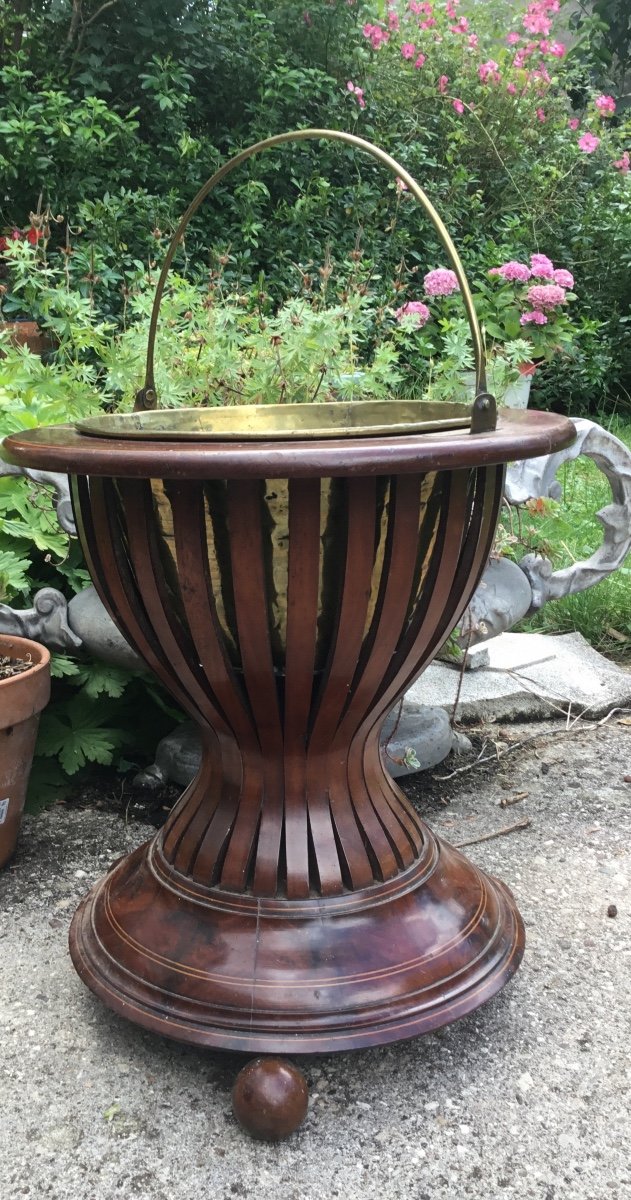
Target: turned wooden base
361	969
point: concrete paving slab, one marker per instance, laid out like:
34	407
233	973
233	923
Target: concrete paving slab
528	1099
529	675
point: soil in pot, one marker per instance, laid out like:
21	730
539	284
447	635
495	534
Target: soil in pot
24	692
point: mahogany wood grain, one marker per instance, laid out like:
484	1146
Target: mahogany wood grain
287	596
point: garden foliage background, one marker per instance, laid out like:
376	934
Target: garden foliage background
113	114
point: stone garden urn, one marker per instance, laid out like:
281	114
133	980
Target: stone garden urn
287	572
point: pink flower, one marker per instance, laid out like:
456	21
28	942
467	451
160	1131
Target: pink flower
472	41
459	106
357	92
544	47
408	50
461	27
489	70
535	20
401	186
414	308
606	105
535	317
512	39
377	35
546	295
588	143
623	164
420	62
442	84
565	279
557	49
440	282
428	23
541	116
511	89
515	271
393	21
541	266
574	122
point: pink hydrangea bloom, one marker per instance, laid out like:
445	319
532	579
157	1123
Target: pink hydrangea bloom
420	62
459	106
512	270
541	266
512	39
535	318
557	49
565	279
440	282
414	308
408	50
489	70
442	84
623	164
588	143
606	105
574	122
546	295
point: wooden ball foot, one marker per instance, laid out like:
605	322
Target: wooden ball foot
270	1098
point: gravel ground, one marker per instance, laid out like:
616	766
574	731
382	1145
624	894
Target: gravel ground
528	1098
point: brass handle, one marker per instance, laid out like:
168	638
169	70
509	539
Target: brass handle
146	398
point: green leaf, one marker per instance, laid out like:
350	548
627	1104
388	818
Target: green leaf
62	666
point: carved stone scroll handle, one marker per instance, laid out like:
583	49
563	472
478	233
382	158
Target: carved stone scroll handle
61	499
537	477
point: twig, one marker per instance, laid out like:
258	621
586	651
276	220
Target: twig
487	837
508	801
461	677
394	730
545	733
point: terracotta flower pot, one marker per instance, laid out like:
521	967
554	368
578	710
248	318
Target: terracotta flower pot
27	333
22	698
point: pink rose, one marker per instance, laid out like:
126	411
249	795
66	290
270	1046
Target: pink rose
588	143
606	105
